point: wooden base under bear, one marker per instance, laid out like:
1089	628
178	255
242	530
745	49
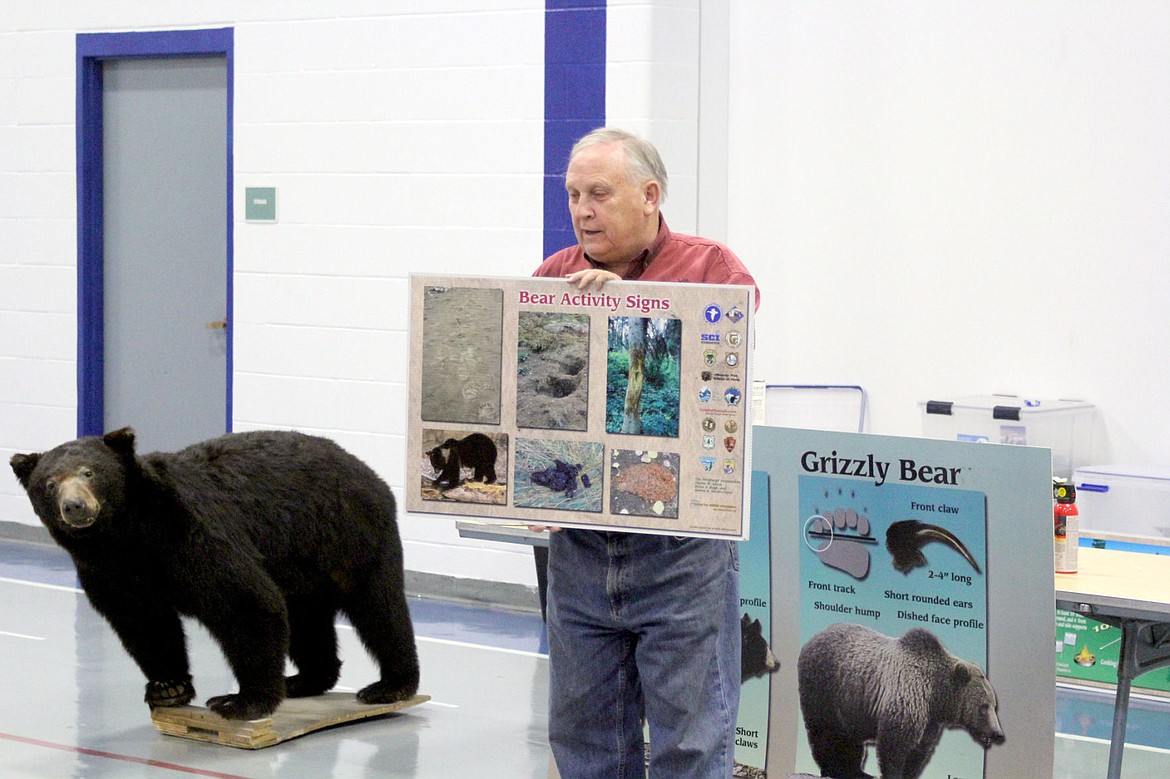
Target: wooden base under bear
294	717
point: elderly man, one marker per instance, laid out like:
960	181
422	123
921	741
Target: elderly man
640	626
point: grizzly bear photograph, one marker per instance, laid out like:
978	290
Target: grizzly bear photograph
858	686
263	537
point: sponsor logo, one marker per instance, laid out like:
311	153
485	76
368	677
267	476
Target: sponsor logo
713	313
708	463
732	396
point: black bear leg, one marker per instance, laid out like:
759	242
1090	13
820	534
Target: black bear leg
313	649
254	637
381	619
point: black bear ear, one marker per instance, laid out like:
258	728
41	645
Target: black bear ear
23	465
121	441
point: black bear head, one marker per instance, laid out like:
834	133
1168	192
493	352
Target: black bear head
756	658
75	486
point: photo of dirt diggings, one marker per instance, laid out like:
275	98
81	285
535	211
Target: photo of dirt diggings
462	348
465	467
642	380
552	371
559	475
643	483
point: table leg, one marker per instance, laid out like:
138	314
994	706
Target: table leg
1120	710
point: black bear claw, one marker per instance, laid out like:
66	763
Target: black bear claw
384	692
238	707
171	693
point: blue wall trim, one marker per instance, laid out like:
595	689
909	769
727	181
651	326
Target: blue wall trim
92	48
574	100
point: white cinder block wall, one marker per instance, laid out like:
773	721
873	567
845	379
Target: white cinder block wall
935	200
400	137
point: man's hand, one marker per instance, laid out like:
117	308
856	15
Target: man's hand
593	278
542	528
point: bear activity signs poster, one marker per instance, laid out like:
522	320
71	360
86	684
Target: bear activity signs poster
911	608
622	409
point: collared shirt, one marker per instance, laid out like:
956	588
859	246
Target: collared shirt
671	257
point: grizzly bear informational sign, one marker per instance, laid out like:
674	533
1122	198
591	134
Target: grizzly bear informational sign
911	607
625	408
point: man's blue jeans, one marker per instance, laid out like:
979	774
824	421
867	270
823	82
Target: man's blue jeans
642	625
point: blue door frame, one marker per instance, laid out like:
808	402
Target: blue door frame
92	49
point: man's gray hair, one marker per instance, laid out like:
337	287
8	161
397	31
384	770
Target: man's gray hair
643	162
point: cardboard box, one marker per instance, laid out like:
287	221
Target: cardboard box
1124	502
1064	426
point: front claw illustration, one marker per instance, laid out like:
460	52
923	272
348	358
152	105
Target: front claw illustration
905	539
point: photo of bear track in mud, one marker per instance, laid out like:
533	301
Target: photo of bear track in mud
552	371
462	351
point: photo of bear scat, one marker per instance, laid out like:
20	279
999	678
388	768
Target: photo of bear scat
463	466
559	475
859	687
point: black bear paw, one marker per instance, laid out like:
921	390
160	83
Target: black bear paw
240	707
178	692
385	692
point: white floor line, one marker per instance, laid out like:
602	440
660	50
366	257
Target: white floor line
57	587
21	635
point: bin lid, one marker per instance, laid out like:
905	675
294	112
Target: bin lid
1016	404
1116	472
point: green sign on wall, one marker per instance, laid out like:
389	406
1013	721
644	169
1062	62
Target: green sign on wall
260	204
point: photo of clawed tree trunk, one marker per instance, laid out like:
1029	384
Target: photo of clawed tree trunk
642	386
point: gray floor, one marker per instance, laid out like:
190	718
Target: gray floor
72	700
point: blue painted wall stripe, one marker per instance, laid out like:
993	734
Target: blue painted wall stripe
574	100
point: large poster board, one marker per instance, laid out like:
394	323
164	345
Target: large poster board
885	548
626	408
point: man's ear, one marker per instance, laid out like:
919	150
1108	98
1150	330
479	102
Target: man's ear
651	194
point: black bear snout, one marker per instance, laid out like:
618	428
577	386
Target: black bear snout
77	512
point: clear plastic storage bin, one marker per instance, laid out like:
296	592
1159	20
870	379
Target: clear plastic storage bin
1064	426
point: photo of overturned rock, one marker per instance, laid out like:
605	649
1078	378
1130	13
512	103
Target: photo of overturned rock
644	483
